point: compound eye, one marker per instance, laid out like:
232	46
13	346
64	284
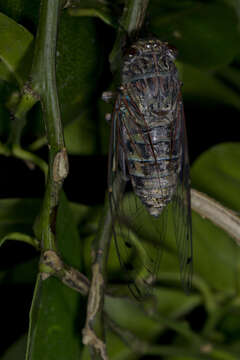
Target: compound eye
131	52
172	51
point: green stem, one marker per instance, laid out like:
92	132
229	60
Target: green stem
29	157
43	72
37	144
134	14
92	8
144	348
21	237
131	23
93	333
43	81
197	283
27	101
200	350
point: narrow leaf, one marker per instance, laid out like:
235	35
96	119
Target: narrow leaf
15	45
55	311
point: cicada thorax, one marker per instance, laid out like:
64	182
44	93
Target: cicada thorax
148	122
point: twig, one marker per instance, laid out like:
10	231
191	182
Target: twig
93	333
43	82
95	8
130	24
28	99
142	347
217	213
202	349
134	15
52	265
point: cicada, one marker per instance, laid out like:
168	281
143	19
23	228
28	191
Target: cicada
148	154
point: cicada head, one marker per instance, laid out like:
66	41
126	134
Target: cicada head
148	56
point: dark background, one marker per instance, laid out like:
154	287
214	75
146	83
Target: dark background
207	124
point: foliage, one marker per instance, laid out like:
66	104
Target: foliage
207	35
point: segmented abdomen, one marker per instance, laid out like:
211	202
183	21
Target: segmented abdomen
152	166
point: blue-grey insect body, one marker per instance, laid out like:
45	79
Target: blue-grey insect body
149	120
149	145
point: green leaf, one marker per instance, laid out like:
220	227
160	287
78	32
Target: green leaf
175	303
81	135
130	315
55	308
15	46
79	63
204	87
205	33
20	237
4	72
94	8
78	66
215	255
18	215
17	350
79	211
89	132
217	173
117	350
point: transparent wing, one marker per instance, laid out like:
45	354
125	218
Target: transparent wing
139	237
181	205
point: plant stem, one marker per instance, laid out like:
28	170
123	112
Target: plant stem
217	213
43	72
30	158
134	14
131	23
201	350
93	333
94	8
43	82
37	144
52	265
20	237
28	99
